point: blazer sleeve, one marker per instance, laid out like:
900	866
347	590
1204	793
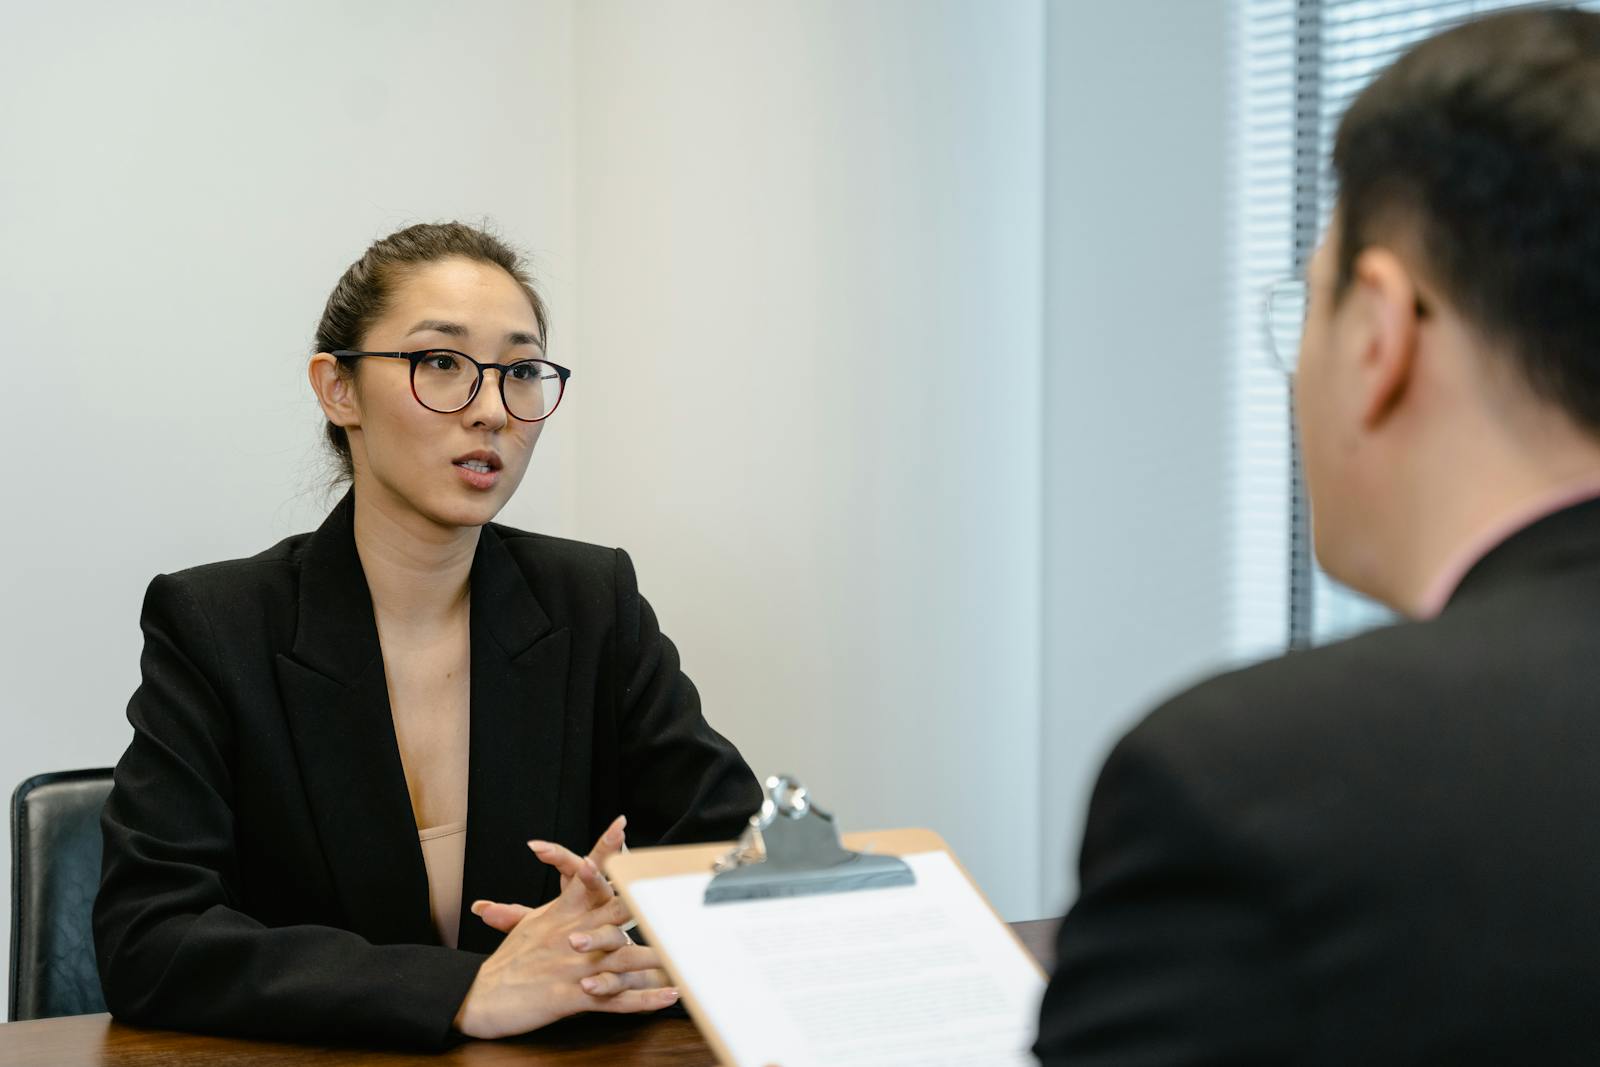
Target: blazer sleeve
682	781
175	949
1171	954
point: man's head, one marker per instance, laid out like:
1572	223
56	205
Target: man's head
1451	360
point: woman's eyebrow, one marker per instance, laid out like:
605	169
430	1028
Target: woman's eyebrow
456	329
452	329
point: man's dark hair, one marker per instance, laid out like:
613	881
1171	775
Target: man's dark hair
1481	149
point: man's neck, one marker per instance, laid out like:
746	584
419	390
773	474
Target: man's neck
417	570
1455	526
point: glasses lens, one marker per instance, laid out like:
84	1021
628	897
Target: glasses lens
444	381
532	389
1286	319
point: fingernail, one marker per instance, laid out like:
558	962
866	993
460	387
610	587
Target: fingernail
670	994
538	846
590	984
581	942
479	907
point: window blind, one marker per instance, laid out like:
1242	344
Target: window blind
1298	65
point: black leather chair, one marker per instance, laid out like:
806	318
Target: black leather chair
55	871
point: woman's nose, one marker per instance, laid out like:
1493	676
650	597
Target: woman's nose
488	408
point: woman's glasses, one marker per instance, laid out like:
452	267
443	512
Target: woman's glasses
446	381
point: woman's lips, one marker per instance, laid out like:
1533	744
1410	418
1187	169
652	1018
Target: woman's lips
477	473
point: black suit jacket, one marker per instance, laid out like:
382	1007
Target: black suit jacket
262	871
1383	851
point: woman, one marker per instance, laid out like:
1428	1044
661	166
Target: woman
342	741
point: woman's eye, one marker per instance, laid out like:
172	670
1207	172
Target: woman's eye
524	372
441	361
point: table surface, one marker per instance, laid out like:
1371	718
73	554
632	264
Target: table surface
616	1041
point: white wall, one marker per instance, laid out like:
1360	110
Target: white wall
809	244
1135	583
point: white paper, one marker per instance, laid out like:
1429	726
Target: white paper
918	975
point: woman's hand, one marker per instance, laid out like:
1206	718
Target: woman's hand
565	957
505	916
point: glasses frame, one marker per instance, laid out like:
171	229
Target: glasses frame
1289	362
1284	362
562	373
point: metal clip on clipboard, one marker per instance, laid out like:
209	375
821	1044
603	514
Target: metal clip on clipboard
791	849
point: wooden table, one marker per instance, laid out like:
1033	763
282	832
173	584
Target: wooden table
615	1041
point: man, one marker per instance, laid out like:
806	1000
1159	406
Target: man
1387	850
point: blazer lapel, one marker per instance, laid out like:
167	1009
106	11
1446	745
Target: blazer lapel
519	682
336	699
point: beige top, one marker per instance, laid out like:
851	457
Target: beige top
444	853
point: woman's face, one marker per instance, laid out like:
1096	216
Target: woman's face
404	453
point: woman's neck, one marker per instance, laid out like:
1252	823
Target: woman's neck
417	570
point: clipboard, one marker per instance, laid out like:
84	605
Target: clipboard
792	857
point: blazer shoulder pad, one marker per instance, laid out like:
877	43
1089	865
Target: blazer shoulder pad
544	559
1300	716
225	582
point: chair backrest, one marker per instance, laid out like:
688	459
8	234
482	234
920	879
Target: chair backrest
55	871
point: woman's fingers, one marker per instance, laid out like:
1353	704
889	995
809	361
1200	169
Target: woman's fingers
610	842
503	917
631	1000
601	939
590	892
597	890
614	913
568	863
609	985
575	871
631	958
560	857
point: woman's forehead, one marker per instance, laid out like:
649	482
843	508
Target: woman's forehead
466	292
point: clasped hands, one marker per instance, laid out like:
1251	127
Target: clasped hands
564	957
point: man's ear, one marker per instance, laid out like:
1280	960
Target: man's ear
336	391
1384	296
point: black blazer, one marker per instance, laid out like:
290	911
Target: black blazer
262	871
1383	851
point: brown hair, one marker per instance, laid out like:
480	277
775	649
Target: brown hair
362	294
1481	148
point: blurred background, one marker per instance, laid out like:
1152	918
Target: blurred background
917	345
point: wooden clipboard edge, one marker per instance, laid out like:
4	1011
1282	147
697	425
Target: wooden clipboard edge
644	864
664	861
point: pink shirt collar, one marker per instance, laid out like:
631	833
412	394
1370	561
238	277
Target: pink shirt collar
1443	587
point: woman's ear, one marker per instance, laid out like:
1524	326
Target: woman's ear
1385	296
336	390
